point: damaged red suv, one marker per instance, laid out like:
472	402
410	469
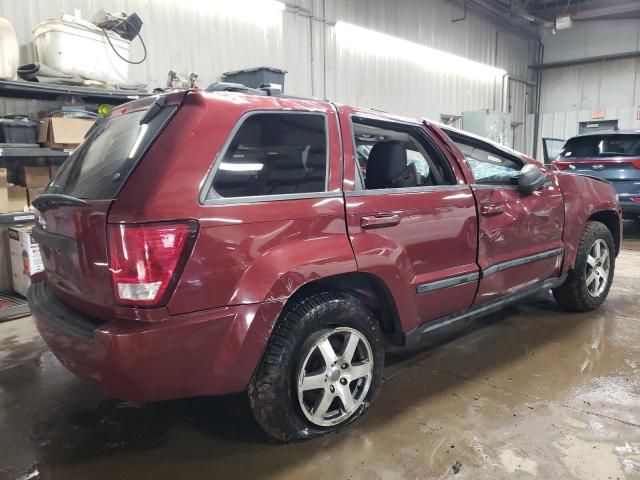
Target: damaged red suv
208	243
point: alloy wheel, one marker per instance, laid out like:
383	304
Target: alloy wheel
598	268
335	376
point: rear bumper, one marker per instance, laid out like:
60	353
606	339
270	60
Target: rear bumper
205	353
630	209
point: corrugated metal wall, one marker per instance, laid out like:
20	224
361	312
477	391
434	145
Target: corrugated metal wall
195	36
570	94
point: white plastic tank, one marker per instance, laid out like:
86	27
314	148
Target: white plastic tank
8	50
77	47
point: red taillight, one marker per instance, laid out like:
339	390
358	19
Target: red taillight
635	199
636	164
145	259
561	165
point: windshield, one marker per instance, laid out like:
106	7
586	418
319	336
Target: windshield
101	164
621	145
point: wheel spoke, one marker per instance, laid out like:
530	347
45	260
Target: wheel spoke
591	261
327	352
604	256
350	349
597	249
591	278
344	394
359	371
324	404
313	382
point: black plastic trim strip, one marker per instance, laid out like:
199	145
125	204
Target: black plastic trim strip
48	309
498	267
413	337
54	241
448	282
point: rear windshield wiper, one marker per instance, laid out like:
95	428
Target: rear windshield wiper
47	201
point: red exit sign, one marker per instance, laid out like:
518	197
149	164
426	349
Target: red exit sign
597	114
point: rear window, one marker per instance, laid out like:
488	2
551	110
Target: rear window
274	154
621	145
101	164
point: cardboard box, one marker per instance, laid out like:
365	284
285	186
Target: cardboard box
62	132
33	193
36	177
17	199
25	258
53	169
4	195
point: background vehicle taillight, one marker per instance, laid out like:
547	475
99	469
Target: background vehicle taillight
561	165
636	164
145	260
635	199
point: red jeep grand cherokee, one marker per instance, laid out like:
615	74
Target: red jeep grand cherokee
206	243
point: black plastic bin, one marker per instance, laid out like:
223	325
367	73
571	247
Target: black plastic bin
256	77
17	129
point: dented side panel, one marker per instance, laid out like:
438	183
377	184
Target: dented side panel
251	262
583	197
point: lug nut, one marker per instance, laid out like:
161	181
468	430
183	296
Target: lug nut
332	388
344	365
343	381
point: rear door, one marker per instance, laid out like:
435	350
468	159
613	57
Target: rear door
520	236
411	221
72	226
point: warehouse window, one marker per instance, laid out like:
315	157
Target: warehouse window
274	154
391	155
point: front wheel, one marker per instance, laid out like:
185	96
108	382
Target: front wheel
321	369
588	284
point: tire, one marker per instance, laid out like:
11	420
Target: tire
299	346
575	294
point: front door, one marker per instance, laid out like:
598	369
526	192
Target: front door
520	236
411	221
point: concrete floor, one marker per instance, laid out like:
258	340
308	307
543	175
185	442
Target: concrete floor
528	393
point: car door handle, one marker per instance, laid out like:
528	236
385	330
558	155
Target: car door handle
380	220
492	209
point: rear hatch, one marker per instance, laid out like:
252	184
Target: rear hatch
72	226
614	157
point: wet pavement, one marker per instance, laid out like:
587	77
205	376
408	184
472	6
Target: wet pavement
530	392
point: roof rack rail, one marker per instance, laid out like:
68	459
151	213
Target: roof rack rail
264	90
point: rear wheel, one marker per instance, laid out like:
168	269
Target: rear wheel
321	369
589	282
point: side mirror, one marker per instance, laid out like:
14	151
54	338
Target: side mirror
531	178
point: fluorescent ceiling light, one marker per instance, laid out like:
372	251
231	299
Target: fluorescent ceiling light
241	167
377	43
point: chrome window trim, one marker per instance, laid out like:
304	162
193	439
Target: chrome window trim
207	184
270	198
498	267
493	186
426	189
448	282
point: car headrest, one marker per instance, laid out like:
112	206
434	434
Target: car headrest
387	162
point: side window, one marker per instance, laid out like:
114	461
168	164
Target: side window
393	155
274	154
489	167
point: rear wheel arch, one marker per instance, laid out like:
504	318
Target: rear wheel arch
366	287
